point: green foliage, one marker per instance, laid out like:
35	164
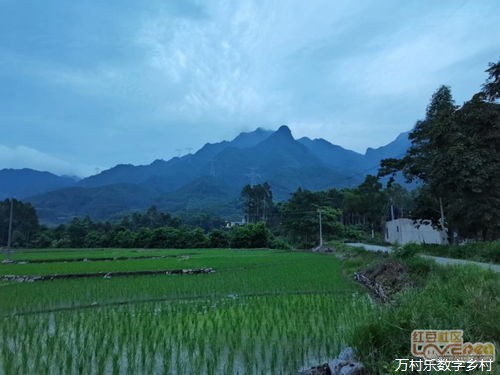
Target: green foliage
218	239
257	202
346	214
405	252
473	204
152	219
151	229
491	88
250	236
354	232
402	200
367	204
25	225
454	297
203	220
300	217
279	243
477	251
455	152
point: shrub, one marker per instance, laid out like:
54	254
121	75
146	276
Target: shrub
218	238
196	239
280	243
250	236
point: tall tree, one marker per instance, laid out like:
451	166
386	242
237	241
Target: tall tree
455	152
24	224
491	88
433	142
474	204
301	217
366	204
257	202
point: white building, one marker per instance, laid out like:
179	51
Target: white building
403	231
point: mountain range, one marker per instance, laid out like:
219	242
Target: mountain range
210	180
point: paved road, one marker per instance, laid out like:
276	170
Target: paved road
440	260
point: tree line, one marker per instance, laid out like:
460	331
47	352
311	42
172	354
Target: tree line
149	229
345	213
454	157
455	153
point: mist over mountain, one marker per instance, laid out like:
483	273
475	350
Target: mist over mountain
209	180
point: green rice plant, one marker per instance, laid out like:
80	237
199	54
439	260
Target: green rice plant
263	312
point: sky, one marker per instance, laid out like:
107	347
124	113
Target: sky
90	84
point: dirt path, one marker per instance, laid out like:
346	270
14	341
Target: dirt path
439	260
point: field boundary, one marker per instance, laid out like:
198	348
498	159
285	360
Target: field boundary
106	275
96	305
104	259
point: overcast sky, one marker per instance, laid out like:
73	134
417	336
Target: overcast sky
89	84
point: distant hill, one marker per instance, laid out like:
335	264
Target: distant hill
211	179
22	183
104	202
395	149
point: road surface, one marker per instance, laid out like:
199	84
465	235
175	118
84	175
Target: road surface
439	260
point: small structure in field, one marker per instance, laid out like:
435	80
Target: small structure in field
404	231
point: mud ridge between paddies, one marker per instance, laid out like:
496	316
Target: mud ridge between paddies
104	259
33	278
208	297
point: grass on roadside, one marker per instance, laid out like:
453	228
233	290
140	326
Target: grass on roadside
442	297
488	252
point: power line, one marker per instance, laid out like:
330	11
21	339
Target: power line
253	176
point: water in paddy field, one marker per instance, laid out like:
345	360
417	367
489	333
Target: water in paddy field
268	335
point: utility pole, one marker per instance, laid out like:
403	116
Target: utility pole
392	210
320	230
9	240
441	220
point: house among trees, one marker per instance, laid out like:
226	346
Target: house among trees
232	224
403	231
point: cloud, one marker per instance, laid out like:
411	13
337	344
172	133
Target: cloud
236	62
25	157
415	57
127	82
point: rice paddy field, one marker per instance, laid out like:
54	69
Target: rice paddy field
260	312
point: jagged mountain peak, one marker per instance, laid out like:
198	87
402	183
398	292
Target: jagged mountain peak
250	139
284	130
282	135
217	172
